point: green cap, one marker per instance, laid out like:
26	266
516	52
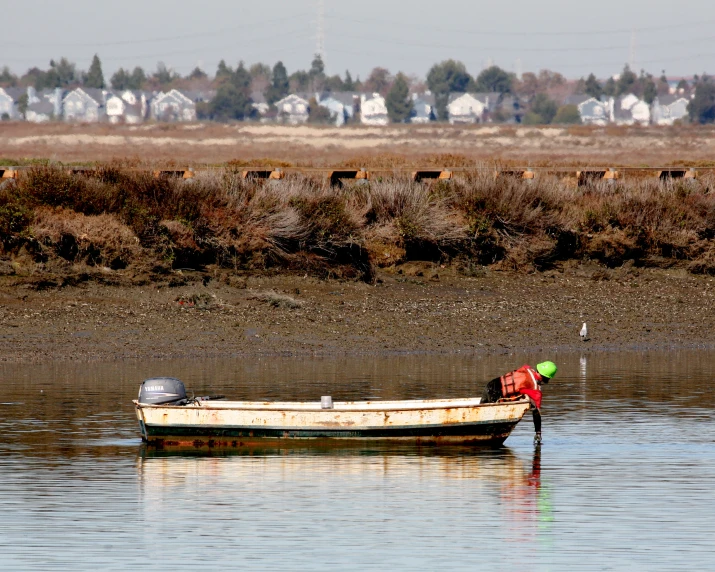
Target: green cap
547	369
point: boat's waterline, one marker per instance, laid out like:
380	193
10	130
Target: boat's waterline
239	424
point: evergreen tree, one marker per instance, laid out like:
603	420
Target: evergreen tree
609	87
197	73
626	82
300	80
444	78
7	78
60	74
95	77
223	71
280	86
333	83
701	108
163	75
592	87
650	90
120	80
137	79
233	98
663	85
259	70
230	103
495	79
399	104
241	79
317	73
348	83
317	67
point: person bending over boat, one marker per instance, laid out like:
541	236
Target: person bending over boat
524	381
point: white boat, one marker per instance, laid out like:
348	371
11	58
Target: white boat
167	417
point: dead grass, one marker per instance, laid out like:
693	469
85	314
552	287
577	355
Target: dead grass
97	240
117	216
400	146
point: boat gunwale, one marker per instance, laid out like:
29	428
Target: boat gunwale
260	406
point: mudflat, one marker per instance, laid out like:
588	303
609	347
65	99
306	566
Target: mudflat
414	308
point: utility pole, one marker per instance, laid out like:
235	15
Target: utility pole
320	47
632	58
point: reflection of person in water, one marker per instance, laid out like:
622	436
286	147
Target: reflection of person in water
524	381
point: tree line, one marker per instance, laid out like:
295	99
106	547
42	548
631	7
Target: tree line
537	94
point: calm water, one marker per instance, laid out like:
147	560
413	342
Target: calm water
625	478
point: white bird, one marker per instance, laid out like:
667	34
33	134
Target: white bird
584	332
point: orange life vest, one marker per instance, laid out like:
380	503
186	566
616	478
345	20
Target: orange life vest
525	377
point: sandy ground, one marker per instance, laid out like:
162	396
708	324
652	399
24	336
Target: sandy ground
424	308
209	143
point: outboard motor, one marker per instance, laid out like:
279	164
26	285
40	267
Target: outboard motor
162	391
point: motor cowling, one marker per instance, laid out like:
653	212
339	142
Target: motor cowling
162	391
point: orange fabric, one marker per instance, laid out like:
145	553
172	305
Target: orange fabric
526	377
535	395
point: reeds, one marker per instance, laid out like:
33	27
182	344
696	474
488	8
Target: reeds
116	217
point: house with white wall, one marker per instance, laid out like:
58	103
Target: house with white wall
292	109
9	100
173	106
668	109
592	111
126	107
422	108
465	108
84	105
629	109
373	109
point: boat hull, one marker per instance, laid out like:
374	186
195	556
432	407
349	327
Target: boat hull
240	424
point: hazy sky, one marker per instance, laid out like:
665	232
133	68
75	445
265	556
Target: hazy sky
574	38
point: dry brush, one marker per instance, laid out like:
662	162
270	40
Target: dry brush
118	218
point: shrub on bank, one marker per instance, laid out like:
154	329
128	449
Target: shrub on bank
115	216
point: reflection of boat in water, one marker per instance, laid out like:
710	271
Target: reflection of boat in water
163	466
168	418
265	486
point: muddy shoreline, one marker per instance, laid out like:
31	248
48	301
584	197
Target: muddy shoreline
418	308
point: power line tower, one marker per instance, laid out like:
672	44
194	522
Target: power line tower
320	36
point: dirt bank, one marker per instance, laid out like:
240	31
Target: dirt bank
418	307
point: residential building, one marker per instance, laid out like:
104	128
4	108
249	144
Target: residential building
465	108
292	109
84	105
422	108
669	108
40	111
340	104
592	111
629	109
126	107
9	100
173	106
